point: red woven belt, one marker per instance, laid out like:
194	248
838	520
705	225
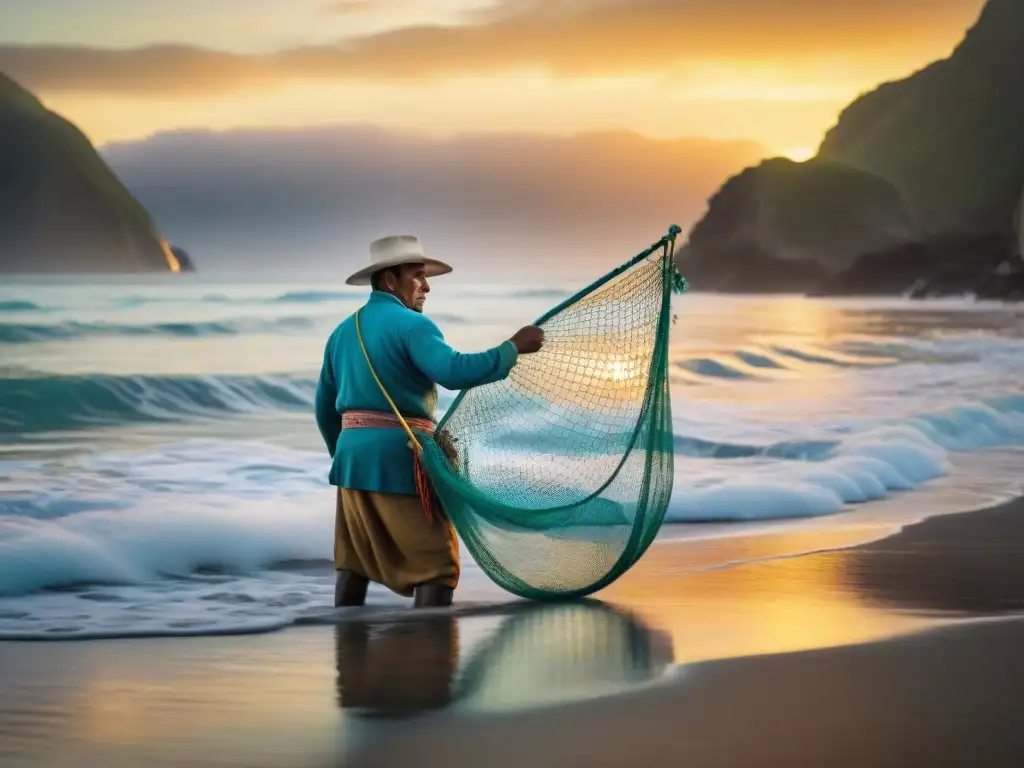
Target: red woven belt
382	420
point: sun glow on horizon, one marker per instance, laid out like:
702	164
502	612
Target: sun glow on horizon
799	154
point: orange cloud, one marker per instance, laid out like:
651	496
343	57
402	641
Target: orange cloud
150	71
562	37
350	6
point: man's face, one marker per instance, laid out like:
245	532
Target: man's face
410	285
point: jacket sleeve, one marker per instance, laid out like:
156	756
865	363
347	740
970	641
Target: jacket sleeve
454	370
327	418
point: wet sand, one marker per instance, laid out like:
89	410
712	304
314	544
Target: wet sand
905	651
950	695
944	698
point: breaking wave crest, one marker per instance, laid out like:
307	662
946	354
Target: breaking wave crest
19	306
820	477
769	362
43	404
288	297
33	404
313	297
26	333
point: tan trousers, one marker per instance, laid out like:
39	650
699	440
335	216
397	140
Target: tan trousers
387	538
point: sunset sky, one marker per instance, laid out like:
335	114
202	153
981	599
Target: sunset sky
772	71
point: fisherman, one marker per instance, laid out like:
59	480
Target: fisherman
383	530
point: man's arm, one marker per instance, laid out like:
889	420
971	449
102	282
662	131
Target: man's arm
327	418
455	370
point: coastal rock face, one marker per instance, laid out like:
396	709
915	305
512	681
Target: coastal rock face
986	266
948	140
62	210
950	137
786	226
183	259
1019	223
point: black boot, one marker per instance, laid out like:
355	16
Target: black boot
350	589
433	596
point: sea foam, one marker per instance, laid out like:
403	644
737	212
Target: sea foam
868	466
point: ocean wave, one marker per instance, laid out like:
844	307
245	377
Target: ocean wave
227	507
288	297
734	480
299	297
33	404
759	360
822	477
20	306
605	442
791	450
132	302
45	404
24	333
540	293
836	358
870	469
771	363
709	368
313	297
160	539
204	518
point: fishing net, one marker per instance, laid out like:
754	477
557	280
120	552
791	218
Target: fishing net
558	477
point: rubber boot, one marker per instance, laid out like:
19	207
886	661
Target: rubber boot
433	596
349	589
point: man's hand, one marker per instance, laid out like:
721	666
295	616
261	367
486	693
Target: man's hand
529	339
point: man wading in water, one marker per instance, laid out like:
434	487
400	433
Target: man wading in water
383	531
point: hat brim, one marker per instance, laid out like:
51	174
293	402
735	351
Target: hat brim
434	268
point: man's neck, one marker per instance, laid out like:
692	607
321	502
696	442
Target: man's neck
388	295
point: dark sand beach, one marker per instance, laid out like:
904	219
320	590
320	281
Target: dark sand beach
901	652
948	695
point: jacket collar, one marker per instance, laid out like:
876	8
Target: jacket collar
378	297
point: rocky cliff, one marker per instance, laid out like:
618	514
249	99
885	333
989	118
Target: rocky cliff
951	137
786	226
948	140
1019	224
62	210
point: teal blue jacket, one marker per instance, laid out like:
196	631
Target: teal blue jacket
411	358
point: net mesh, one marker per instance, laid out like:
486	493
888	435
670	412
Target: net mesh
558	477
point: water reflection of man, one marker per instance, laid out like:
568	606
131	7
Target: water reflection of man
396	670
538	654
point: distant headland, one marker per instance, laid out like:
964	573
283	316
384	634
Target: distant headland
62	209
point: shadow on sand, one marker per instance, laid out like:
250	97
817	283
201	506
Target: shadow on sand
969	564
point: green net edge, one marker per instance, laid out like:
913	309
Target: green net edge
645	527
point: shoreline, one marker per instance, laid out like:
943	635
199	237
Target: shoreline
945	696
946	692
684	549
902	650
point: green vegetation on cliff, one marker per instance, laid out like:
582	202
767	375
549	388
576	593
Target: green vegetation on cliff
951	137
61	207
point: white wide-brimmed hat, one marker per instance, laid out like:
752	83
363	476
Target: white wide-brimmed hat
394	250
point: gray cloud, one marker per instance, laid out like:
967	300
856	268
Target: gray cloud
252	200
